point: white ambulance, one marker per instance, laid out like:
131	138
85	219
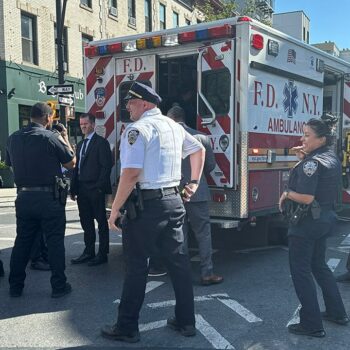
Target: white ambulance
253	89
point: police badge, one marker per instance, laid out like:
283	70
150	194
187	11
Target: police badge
310	167
132	136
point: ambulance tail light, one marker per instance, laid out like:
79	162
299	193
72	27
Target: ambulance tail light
114	48
90	51
100	115
255	151
129	46
257	41
219	197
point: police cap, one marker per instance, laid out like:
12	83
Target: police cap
40	110
143	92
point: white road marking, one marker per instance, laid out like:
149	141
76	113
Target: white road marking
332	263
152	325
211	334
249	250
240	310
149	287
97	243
199	298
346	241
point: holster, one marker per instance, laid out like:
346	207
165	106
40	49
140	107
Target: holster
61	190
134	204
293	212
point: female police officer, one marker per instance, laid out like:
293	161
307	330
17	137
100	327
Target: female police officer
314	182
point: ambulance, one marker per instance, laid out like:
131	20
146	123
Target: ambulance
253	90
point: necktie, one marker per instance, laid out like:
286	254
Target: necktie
84	148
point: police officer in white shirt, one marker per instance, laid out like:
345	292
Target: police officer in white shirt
151	152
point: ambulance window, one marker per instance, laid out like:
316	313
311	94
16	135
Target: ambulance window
216	87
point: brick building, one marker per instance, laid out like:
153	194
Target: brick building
28	60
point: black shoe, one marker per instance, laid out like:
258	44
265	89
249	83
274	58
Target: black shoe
58	293
343	320
112	332
345	277
2	271
98	260
82	258
15	293
186	331
156	272
299	330
40	265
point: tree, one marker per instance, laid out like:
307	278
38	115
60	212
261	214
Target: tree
228	8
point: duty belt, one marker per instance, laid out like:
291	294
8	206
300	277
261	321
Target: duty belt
35	189
158	193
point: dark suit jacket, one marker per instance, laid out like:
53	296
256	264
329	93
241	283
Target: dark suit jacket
95	169
202	193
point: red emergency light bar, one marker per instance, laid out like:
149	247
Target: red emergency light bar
244	19
90	51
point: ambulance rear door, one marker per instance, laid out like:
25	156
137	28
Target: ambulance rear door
215	108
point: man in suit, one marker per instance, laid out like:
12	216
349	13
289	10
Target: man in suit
90	184
197	210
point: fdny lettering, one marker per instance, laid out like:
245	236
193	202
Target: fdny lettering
285	126
310	107
269	99
131	65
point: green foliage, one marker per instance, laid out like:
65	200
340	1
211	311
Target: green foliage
229	9
3	165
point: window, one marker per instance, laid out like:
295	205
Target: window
65	48
132	12
162	17
175	19
29	44
216	88
86	3
85	39
148	16
188	22
113	9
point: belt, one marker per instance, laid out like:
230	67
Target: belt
158	193
35	189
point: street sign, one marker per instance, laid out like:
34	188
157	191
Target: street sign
66	100
60	89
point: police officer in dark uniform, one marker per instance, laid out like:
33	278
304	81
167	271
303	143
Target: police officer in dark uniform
151	151
35	155
313	188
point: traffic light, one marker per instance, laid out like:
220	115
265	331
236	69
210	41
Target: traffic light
52	104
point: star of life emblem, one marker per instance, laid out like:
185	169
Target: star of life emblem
310	167
290	102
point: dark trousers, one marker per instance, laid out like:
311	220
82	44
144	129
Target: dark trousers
38	211
91	204
157	228
307	250
39	249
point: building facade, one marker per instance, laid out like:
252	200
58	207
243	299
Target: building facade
28	57
295	24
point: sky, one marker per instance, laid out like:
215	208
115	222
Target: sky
329	20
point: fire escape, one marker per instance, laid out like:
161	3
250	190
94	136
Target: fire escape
265	8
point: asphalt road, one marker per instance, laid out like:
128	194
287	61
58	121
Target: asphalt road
250	310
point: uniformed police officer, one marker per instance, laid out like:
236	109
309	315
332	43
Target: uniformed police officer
151	151
36	154
314	183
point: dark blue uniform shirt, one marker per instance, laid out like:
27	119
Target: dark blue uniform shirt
36	155
318	174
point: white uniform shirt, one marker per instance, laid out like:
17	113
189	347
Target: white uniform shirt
156	144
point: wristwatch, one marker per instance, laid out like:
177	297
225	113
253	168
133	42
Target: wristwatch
196	182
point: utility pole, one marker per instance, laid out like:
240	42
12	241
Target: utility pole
60	15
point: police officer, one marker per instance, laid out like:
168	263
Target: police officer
151	151
314	182
36	154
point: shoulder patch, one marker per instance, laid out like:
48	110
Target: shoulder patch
132	136
310	167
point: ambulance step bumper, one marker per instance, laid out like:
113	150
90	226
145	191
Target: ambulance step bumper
222	223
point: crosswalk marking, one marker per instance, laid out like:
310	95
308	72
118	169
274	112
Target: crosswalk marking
240	310
332	263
